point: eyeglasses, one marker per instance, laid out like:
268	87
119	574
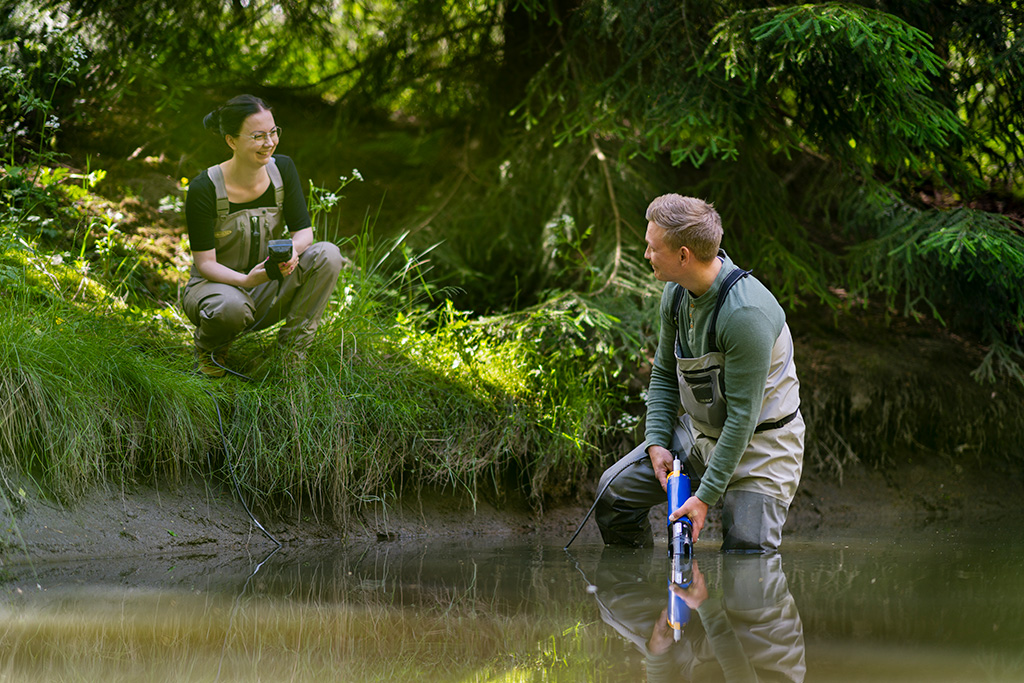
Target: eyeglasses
261	137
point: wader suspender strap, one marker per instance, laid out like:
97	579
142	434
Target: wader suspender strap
275	177
224	206
730	279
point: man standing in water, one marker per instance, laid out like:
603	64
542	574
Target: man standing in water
725	353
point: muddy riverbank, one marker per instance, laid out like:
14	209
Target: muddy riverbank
199	520
899	435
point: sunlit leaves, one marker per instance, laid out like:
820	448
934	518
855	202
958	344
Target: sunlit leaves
825	75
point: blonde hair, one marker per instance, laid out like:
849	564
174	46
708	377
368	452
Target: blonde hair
688	222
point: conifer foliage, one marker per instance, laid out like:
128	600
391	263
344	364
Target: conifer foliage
858	146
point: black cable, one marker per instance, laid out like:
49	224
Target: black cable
231	470
598	499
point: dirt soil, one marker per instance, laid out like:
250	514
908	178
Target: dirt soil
198	520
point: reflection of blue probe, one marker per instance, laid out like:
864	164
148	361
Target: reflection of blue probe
680	550
678	610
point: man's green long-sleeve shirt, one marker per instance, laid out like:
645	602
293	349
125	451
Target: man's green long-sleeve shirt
749	323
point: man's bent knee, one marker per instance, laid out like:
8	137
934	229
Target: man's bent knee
752	522
627	491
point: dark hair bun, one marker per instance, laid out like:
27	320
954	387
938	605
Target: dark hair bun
227	119
212	120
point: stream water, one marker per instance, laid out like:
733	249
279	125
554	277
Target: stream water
942	605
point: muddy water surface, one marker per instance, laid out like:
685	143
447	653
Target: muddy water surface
941	605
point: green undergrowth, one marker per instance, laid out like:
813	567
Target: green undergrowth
89	395
399	389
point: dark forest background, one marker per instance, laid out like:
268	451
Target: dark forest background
866	158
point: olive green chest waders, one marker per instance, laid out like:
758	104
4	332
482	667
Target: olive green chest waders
757	497
221	312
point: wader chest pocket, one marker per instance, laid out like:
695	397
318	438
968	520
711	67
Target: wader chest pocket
700	387
701	392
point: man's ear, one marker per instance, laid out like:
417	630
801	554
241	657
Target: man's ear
684	254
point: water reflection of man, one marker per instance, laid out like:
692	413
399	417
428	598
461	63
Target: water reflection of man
725	353
746	629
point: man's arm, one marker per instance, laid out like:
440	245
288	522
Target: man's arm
663	392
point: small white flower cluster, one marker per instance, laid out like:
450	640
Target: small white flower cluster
356	175
327	200
627	422
17	129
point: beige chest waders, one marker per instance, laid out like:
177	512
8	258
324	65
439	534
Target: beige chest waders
757	497
770	464
220	311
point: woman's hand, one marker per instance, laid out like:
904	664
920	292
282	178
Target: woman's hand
301	239
208	266
258	275
289	266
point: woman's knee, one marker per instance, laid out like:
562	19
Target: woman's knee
229	314
325	256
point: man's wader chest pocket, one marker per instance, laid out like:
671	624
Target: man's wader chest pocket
702	389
